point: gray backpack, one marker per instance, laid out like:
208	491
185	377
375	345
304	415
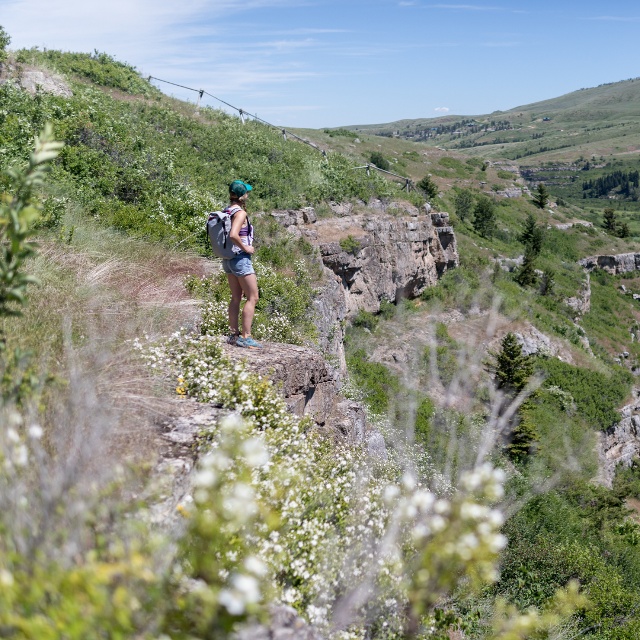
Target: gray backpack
218	229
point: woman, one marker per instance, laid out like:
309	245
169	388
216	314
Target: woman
239	270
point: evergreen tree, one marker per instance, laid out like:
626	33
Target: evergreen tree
513	369
527	275
484	216
524	436
623	230
428	187
610	221
463	203
548	282
541	196
532	235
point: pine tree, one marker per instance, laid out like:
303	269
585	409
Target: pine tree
463	203
484	216
524	436
548	282
532	235
513	369
527	276
623	230
428	187
541	197
610	221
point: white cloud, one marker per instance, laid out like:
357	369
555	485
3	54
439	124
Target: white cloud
615	18
441	109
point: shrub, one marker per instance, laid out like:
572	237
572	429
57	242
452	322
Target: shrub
379	160
5	41
350	245
597	395
428	187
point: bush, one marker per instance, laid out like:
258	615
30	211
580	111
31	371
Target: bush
379	160
350	245
597	395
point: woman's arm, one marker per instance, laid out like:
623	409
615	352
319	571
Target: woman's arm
237	221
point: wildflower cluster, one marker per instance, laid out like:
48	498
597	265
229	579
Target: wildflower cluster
221	579
354	545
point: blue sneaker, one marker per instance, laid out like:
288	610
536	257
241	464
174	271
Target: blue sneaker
248	343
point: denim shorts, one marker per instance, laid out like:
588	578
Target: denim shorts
238	266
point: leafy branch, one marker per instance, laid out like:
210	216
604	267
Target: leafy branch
18	212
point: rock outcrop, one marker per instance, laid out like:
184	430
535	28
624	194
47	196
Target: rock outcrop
309	385
371	257
614	264
619	445
581	303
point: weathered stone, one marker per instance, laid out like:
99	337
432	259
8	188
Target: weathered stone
395	257
533	342
581	303
614	264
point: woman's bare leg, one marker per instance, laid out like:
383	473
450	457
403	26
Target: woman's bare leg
234	305
249	286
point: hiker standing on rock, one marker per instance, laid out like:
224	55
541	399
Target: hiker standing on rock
239	269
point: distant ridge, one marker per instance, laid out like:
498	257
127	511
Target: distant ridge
602	120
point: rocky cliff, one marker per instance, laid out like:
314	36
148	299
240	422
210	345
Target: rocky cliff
620	445
371	257
614	264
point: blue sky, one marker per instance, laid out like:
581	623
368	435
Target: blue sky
322	63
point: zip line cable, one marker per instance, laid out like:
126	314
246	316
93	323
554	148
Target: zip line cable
408	183
242	112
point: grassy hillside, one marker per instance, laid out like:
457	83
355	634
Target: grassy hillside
602	121
281	512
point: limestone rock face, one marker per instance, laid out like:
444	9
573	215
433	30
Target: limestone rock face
620	445
581	303
385	258
615	264
381	257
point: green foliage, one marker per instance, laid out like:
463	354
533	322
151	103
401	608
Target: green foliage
378	384
99	68
428	187
344	133
512	368
526	275
18	214
505	175
463	202
597	395
153	170
5	41
484	216
379	160
541	196
350	245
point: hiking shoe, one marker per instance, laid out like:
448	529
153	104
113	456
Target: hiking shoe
248	343
232	338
